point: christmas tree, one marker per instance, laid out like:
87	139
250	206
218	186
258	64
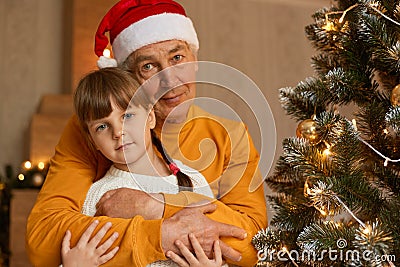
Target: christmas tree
337	184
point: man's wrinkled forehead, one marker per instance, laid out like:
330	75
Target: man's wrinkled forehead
162	49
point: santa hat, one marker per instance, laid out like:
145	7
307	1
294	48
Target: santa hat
133	24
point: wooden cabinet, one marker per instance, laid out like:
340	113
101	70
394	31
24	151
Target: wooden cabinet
22	202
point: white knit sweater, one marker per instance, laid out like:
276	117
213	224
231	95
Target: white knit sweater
116	178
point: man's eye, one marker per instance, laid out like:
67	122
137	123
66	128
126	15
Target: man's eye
147	67
128	116
178	58
101	128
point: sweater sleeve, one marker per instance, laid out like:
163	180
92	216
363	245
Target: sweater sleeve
60	200
237	204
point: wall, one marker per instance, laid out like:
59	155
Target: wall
84	27
31	65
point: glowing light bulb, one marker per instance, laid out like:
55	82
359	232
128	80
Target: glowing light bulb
324	213
385	131
41	165
327	152
306	189
27	165
21	177
354	124
367	230
329	26
107	52
386	162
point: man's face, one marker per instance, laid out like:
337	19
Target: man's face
157	59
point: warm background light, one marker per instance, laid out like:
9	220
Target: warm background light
27	165
41	165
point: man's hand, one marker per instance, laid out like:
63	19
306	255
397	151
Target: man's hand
127	203
192	220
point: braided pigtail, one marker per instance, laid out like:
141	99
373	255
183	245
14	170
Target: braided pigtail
184	181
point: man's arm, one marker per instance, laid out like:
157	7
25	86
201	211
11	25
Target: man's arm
237	204
128	203
59	203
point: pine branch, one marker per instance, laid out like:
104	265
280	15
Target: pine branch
302	101
382	42
318	238
323	63
289	210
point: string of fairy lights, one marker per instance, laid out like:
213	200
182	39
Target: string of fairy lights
373	5
34	172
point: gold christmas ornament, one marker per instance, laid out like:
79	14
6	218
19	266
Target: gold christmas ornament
307	129
395	97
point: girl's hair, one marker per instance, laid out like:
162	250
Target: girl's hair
184	181
94	91
92	102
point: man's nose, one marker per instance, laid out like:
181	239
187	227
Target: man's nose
169	78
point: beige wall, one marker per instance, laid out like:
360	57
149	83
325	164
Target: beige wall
87	15
31	65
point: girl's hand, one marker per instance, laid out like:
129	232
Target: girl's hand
87	252
198	258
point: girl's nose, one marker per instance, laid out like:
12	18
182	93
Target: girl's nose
118	133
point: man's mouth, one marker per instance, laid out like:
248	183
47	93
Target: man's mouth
174	99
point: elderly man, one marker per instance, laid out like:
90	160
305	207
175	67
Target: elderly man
148	37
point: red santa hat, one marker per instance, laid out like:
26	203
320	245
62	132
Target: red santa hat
133	24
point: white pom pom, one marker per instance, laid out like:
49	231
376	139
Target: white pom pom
105	62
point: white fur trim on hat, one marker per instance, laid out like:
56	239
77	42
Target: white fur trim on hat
104	62
154	29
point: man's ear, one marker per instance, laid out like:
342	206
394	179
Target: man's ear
151	119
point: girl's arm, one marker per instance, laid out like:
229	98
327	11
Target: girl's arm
87	253
198	258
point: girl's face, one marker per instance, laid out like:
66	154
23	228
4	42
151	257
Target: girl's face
124	136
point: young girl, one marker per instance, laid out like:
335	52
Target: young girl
118	122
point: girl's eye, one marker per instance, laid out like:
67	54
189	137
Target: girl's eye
101	127
128	116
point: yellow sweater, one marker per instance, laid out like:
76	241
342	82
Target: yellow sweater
204	143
